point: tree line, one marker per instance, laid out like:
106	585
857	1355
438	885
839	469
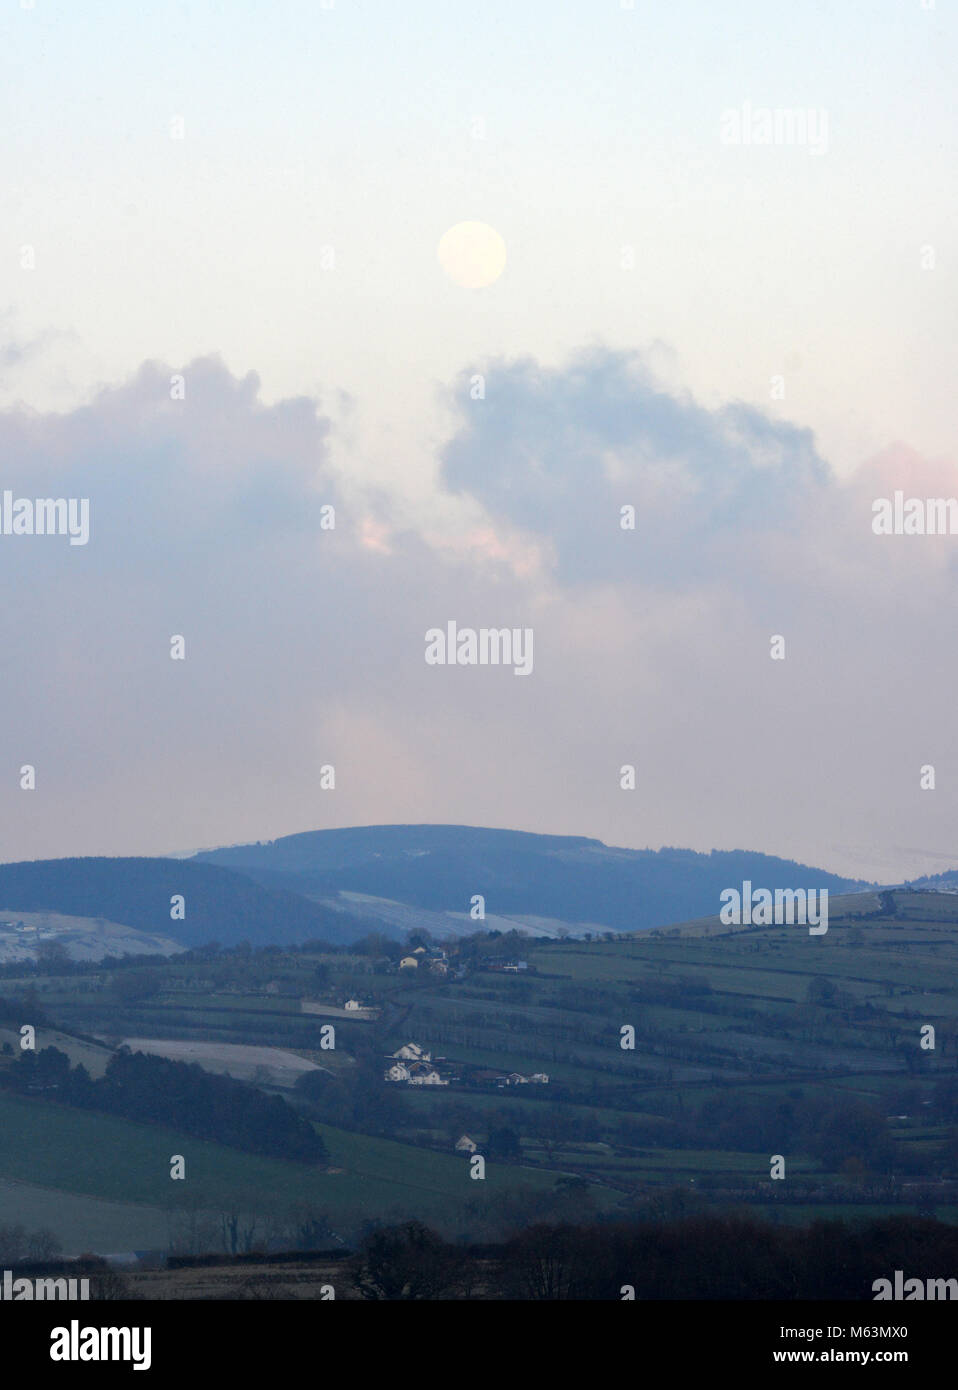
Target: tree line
156	1090
704	1257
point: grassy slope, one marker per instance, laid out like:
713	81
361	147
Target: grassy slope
754	1034
78	1152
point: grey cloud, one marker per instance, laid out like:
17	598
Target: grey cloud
558	451
306	647
301	643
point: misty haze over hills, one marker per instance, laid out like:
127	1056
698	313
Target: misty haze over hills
339	885
569	882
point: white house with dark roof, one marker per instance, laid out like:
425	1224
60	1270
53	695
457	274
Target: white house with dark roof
412	1052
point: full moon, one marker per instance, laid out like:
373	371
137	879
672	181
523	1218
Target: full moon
472	254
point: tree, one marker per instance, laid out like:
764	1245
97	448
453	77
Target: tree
128	986
50	1069
42	1245
377	944
312	1229
13	1244
546	1262
105	1282
239	1231
820	991
53	957
504	1143
407	1262
157	1090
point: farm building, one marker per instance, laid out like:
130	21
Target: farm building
412	1052
423	1074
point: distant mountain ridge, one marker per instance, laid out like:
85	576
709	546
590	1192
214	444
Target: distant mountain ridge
220	905
572	879
944	882
339	885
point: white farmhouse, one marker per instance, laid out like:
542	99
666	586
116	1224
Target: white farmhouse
421	1074
412	1052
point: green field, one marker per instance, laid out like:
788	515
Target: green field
732	1031
70	1154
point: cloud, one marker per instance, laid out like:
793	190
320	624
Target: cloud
207	522
305	646
559	451
16	351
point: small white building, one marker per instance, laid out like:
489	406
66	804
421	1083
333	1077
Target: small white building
397	1072
421	1074
412	1052
353	1004
541	1077
409	963
465	1145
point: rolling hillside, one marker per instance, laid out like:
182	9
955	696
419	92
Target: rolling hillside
741	1043
220	905
570	880
103	1183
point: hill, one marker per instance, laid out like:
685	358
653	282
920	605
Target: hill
942	883
62	1164
660	1070
221	905
524	877
83	938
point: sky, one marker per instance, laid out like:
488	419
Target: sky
747	342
